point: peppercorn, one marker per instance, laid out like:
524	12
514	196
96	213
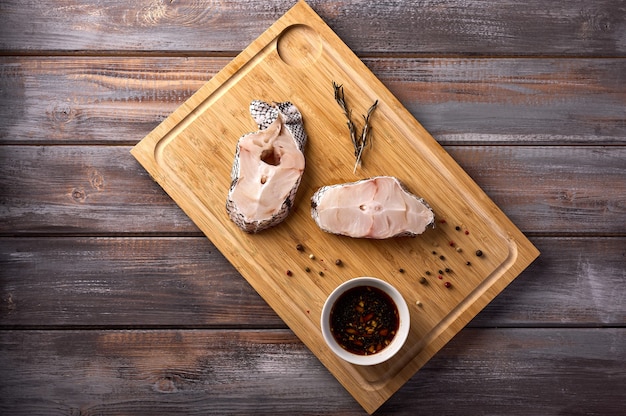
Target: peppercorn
448	284
338	262
457	228
321	273
299	247
440	277
448	270
423	280
401	270
442	257
307	269
479	253
468	263
312	256
428	273
289	273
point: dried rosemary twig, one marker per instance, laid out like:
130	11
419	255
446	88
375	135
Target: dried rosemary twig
360	142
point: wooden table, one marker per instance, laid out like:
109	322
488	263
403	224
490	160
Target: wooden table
113	301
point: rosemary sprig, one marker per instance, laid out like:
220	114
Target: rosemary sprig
360	142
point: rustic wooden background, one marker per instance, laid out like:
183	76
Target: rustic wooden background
113	302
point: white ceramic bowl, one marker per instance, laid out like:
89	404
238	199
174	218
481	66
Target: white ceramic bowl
396	343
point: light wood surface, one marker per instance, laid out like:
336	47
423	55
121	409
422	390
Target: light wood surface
103	278
297	59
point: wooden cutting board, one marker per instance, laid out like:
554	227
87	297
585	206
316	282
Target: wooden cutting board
297	59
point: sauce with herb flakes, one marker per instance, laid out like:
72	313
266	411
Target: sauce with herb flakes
364	320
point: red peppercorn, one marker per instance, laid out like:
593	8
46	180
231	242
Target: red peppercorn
289	273
451	243
466	232
440	277
448	284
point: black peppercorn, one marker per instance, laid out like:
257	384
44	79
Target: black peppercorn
479	253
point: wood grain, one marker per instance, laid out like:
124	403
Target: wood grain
270	372
155	282
550	101
575	28
104	312
543	189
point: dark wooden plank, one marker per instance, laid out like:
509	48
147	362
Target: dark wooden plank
80	189
576	27
514	101
186	282
505	371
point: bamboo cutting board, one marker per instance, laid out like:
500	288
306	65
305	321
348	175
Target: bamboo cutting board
297	59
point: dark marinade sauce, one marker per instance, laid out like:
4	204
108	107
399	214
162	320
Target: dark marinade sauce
364	320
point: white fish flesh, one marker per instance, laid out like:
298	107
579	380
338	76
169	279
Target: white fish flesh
268	167
378	208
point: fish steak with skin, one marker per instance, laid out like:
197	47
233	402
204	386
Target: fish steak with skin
377	208
267	168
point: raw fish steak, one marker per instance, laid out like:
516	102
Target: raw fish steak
268	167
378	208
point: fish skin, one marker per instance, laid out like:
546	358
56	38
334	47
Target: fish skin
365	217
265	115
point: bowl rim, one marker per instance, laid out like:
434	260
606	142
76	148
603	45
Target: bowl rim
397	342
